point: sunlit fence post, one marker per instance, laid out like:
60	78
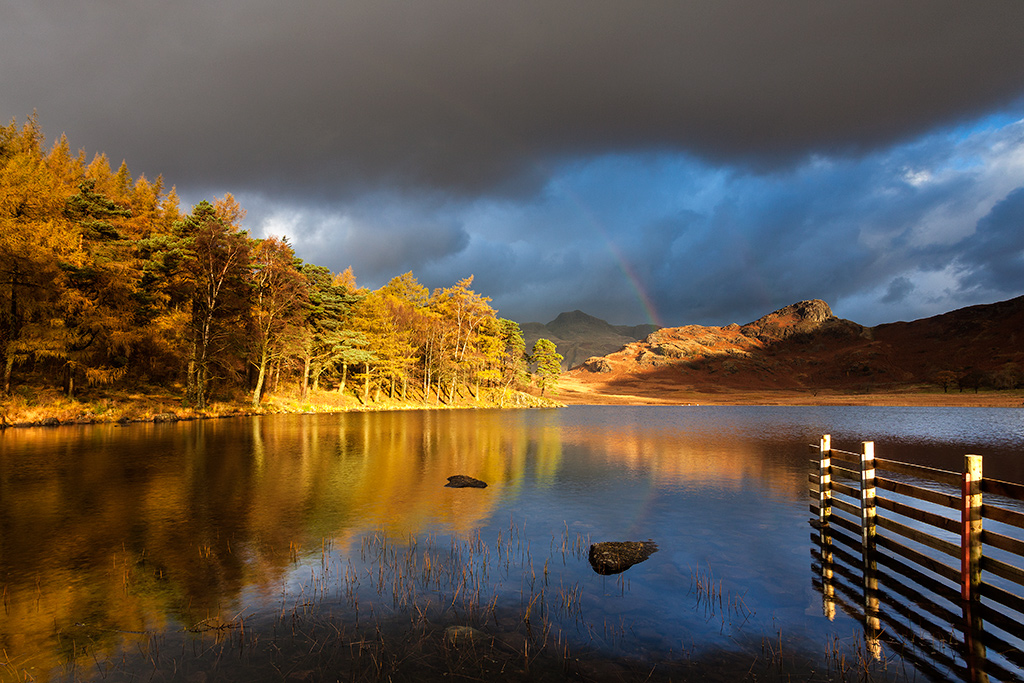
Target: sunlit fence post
970	564
889	537
828	604
825	480
867	527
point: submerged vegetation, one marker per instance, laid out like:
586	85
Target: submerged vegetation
426	608
107	286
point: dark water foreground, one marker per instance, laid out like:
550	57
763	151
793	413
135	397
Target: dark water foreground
328	548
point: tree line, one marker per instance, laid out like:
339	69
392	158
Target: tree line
104	280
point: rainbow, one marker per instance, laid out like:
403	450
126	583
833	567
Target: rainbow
625	267
486	122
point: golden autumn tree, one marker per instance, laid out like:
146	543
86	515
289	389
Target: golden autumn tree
34	238
462	313
393	322
68	170
103	278
405	299
279	300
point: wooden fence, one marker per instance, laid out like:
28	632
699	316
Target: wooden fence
929	560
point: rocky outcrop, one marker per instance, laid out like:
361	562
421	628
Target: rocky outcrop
597	364
801	317
805	347
461	481
614	557
691	345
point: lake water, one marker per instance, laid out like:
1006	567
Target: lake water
326	547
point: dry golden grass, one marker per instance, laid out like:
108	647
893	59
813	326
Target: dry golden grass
33	406
578	389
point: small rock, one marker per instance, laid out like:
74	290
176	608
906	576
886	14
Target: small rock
50	422
461	481
613	557
165	417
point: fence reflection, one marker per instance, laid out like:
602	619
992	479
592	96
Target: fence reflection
882	543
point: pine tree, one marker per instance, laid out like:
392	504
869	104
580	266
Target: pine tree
549	363
327	337
99	299
513	356
213	266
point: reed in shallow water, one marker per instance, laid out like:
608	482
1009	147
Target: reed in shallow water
434	608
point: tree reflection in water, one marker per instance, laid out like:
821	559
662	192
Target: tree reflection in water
161	542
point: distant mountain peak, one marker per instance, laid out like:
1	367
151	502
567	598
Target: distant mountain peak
575	316
580	335
578	320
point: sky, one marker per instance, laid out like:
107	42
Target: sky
671	161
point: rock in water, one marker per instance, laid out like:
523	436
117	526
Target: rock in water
461	481
613	557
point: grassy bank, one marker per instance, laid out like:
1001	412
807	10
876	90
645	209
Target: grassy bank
576	390
29	406
32	406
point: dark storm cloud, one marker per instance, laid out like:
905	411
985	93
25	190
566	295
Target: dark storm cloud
705	162
380	236
914	230
324	98
899	289
994	255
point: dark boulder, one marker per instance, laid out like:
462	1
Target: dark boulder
613	557
461	481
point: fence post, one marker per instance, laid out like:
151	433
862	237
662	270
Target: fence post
970	565
828	589
970	539
828	604
825	479
867	528
867	496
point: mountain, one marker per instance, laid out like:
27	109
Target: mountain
579	336
805	347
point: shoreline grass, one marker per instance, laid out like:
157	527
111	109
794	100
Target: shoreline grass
38	407
427	608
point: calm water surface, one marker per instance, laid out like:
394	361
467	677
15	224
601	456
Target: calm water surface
112	536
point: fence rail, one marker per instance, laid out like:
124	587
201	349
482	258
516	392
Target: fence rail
888	553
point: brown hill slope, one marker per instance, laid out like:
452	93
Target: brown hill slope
805	352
